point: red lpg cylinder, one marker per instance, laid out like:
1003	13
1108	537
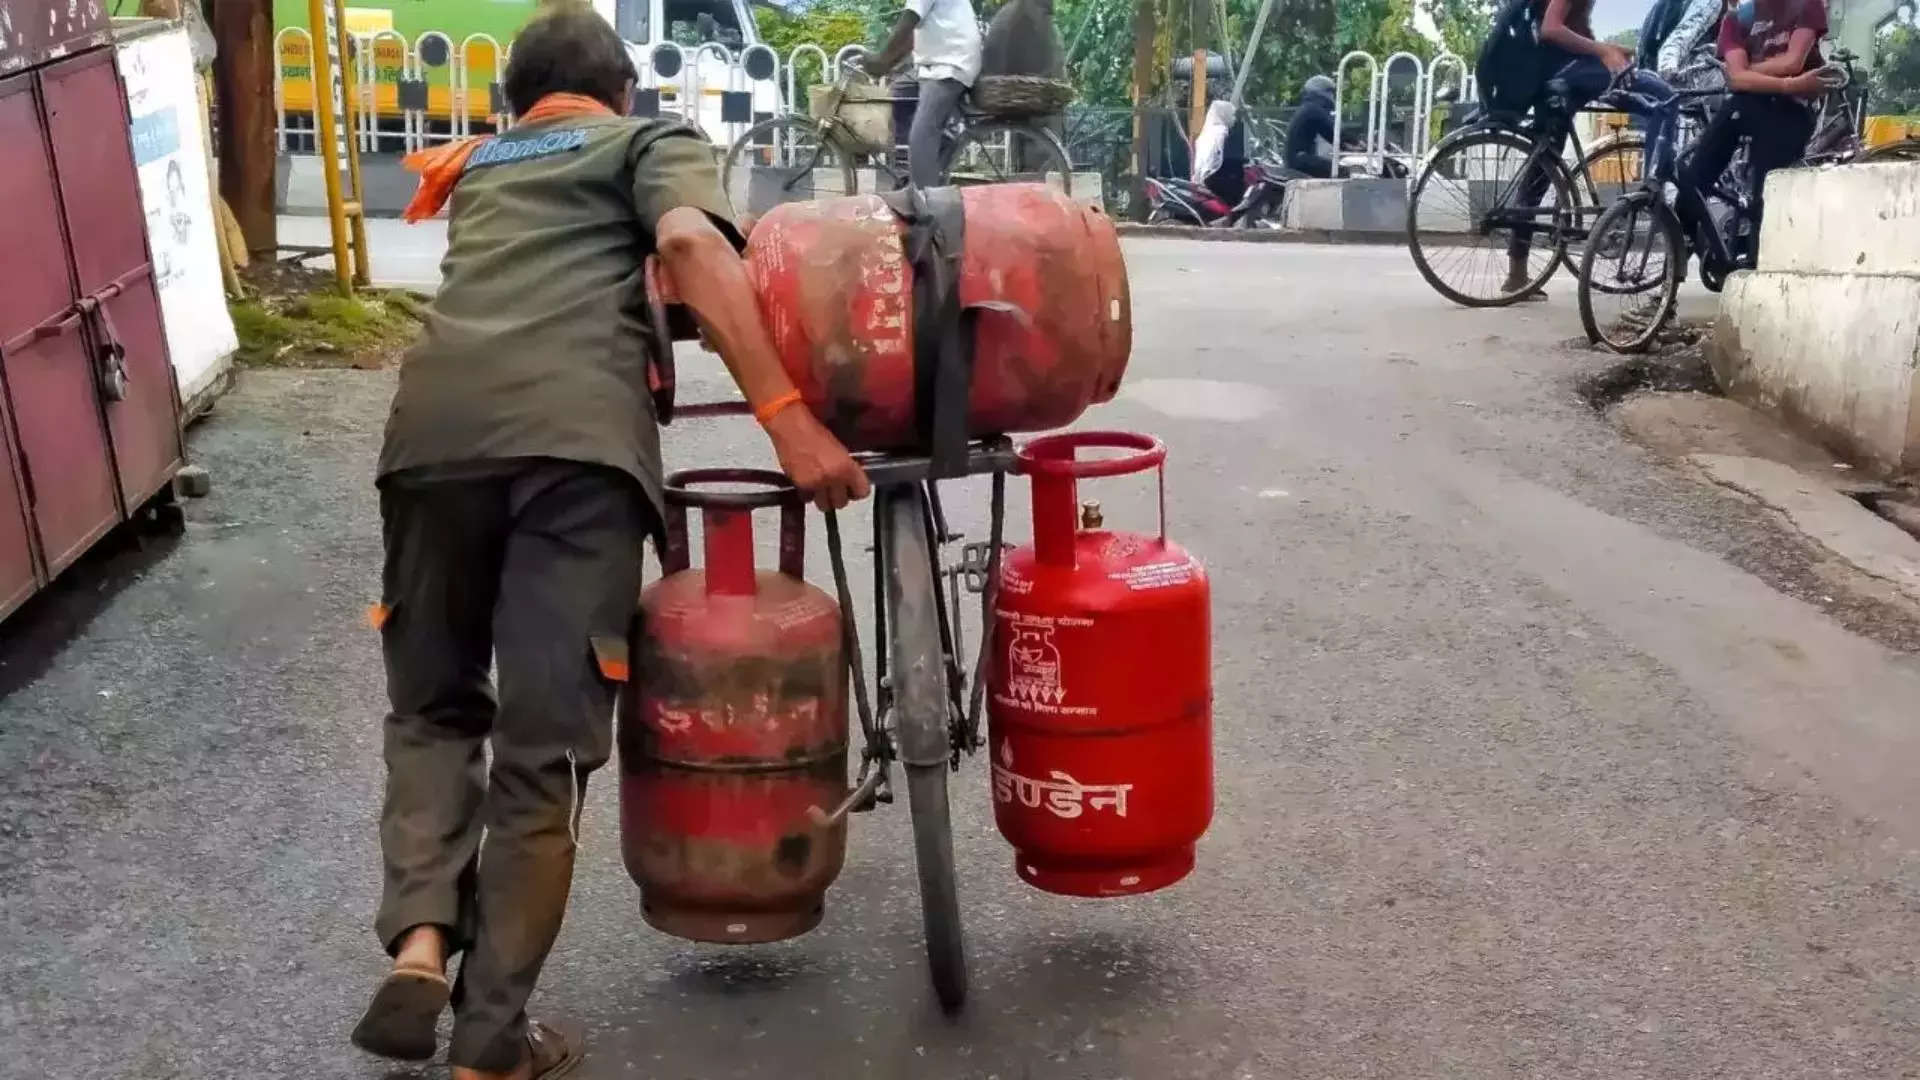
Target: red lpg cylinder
737	725
1041	277
1101	723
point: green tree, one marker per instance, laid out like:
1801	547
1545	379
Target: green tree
830	24
1895	86
1463	24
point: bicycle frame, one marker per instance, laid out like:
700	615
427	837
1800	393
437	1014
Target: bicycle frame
1540	132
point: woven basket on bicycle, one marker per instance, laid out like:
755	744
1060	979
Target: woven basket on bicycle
1021	95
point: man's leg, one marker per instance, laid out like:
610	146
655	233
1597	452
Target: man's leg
568	591
1701	170
938	100
1534	183
444	544
1586	78
1779	128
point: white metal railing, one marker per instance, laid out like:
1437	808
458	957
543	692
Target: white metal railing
366	77
460	81
1407	155
1426	84
1340	100
696	73
1463	84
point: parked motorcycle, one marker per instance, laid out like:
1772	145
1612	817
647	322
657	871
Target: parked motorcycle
1179	201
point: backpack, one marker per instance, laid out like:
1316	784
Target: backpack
1512	66
1659	24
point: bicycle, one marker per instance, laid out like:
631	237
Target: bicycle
1836	132
1639	251
793	154
1464	198
1627	235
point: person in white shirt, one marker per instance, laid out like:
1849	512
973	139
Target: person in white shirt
945	38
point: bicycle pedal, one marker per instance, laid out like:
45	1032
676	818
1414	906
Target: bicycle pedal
974	559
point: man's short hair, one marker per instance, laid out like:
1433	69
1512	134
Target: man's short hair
567	48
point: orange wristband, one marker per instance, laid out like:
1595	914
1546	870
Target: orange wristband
771	409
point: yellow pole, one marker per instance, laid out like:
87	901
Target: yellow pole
330	140
1197	115
357	214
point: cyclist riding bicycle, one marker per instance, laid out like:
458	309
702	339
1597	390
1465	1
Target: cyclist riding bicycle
1561	49
1771	51
944	37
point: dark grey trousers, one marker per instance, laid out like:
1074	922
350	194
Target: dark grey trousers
939	100
531	567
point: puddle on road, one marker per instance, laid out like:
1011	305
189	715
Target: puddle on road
1201	399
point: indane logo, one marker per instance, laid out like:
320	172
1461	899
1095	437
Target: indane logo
505	150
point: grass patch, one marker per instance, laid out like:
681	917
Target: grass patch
298	320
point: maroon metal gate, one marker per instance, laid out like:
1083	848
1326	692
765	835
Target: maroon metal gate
89	417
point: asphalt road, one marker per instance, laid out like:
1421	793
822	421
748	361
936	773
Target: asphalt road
1536	758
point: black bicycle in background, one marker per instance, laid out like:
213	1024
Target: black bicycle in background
1638	251
1465	209
1637	254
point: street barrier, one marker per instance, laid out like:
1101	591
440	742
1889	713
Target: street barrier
409	94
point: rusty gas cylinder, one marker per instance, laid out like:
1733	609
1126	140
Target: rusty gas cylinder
1101	717
1042	285
736	727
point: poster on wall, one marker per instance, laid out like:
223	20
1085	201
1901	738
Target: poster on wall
170	155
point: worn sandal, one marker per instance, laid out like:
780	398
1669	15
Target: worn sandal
551	1053
399	1022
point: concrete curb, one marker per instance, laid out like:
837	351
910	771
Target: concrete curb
1265	236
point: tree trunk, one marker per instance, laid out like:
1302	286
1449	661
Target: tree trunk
243	90
1142	86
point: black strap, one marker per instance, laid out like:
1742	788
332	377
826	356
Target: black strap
942	346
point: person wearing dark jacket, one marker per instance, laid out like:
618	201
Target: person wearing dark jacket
1312	123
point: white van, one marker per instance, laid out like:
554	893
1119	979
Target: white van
705	60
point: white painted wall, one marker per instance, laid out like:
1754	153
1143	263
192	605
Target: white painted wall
171	159
1854	219
1827	331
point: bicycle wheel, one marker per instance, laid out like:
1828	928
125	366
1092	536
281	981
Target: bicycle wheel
1008	152
1465	221
918	674
790	161
1630	273
1609	171
1902	150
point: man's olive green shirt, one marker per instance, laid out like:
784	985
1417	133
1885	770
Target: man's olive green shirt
535	345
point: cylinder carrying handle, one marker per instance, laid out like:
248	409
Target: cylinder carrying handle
1053	465
726	525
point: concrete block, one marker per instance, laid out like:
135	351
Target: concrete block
1313	204
1370	205
1851	219
1835	353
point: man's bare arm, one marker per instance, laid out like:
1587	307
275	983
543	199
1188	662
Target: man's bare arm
1555	31
899	43
1794	60
1747	80
711	281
